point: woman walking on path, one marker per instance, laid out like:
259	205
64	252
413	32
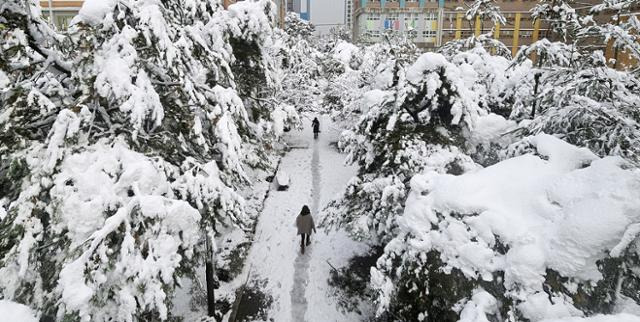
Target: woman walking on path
316	127
305	225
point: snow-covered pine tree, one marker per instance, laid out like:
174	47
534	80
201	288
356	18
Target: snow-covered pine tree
480	10
559	16
250	35
32	85
33	88
417	123
299	71
593	106
349	92
115	200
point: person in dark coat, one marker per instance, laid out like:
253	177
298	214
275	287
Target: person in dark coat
305	225
316	127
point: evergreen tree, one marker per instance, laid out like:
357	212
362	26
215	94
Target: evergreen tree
116	189
423	115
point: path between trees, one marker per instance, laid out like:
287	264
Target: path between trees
298	284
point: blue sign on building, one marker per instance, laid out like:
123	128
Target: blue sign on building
304	16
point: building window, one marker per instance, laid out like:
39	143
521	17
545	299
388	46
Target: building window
429	34
392	22
431	15
373	22
60	19
410	21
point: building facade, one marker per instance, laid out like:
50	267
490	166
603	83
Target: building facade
431	23
61	12
348	13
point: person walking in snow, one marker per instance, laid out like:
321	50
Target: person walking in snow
316	127
305	225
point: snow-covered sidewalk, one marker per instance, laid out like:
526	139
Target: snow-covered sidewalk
296	283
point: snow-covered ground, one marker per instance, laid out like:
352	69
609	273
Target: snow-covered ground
297	283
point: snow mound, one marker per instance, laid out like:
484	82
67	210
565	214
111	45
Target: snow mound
562	209
16	312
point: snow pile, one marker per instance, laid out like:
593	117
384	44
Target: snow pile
15	312
561	208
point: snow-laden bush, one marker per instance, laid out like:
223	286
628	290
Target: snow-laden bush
550	233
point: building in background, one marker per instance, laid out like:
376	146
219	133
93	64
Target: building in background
417	18
348	14
300	7
60	12
431	23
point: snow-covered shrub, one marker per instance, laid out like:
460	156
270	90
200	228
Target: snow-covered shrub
548	233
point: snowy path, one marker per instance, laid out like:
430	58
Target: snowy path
298	283
301	273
